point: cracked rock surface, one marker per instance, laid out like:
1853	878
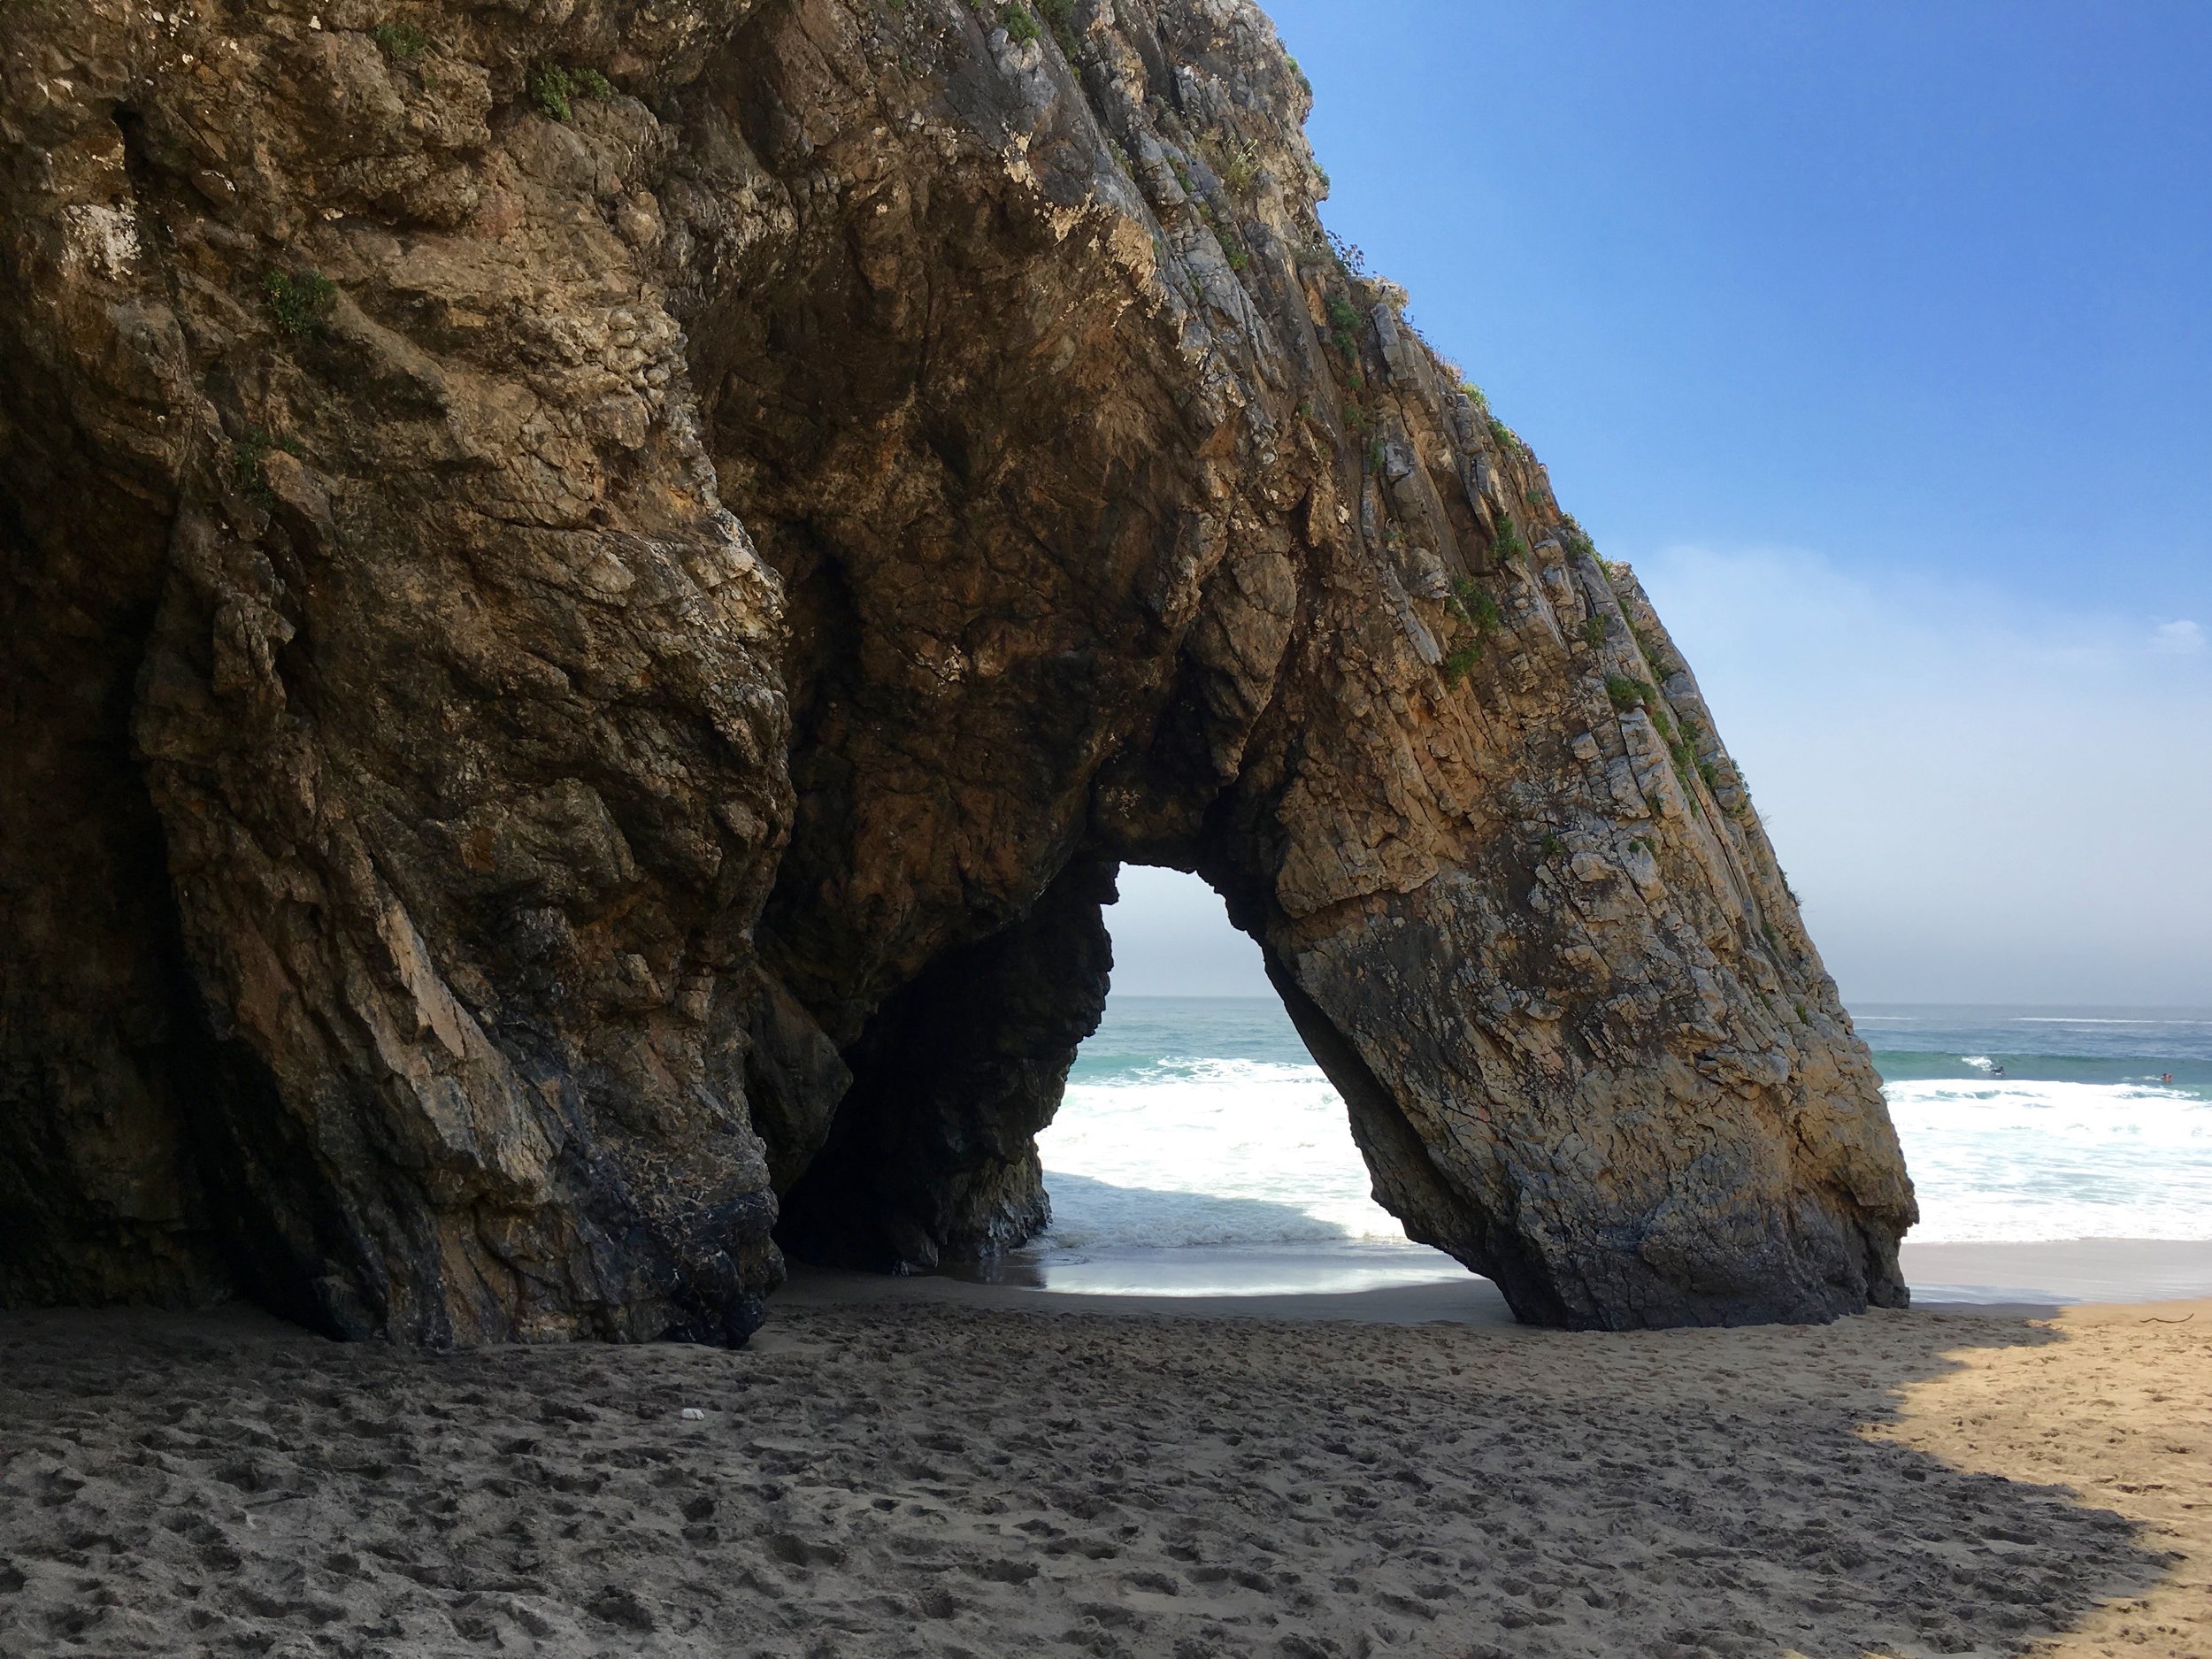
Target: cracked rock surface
596	593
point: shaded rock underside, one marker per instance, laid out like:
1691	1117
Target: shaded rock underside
593	607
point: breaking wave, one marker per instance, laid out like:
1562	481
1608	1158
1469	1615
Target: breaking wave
1203	1123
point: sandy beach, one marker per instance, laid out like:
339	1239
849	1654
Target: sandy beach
936	1469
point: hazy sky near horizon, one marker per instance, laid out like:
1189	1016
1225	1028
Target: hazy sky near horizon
1879	341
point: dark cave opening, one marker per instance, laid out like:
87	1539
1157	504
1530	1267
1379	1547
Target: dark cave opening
931	1158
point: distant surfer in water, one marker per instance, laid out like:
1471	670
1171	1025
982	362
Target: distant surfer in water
2168	1080
1996	1068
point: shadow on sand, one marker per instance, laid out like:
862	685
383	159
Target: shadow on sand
921	1477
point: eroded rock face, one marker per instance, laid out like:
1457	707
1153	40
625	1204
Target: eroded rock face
626	702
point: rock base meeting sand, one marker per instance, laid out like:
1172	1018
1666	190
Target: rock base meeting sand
931	1479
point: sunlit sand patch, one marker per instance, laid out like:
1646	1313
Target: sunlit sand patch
2119	1410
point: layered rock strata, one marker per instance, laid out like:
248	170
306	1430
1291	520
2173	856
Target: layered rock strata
596	592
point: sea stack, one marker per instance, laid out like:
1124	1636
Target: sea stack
596	593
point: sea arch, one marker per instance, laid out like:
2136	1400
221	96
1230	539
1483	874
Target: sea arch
1120	520
554	722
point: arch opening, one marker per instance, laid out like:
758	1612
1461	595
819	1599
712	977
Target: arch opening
1178	1137
1200	1148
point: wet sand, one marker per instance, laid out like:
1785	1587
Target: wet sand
1465	1300
2069	1269
1204	1282
923	1472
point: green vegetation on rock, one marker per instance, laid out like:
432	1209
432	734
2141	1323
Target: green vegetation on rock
401	40
1059	16
1625	693
1478	615
1476	607
1508	543
1344	322
297	299
247	456
553	89
1241	168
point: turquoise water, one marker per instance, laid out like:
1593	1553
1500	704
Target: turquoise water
1202	1125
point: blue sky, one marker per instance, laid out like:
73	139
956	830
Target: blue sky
1919	283
1879	339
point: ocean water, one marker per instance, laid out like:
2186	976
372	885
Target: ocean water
1200	1149
2022	1125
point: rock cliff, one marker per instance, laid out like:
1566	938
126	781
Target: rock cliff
596	590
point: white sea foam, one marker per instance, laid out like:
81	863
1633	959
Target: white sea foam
2009	1159
1208	1152
2084	1019
1235	1152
